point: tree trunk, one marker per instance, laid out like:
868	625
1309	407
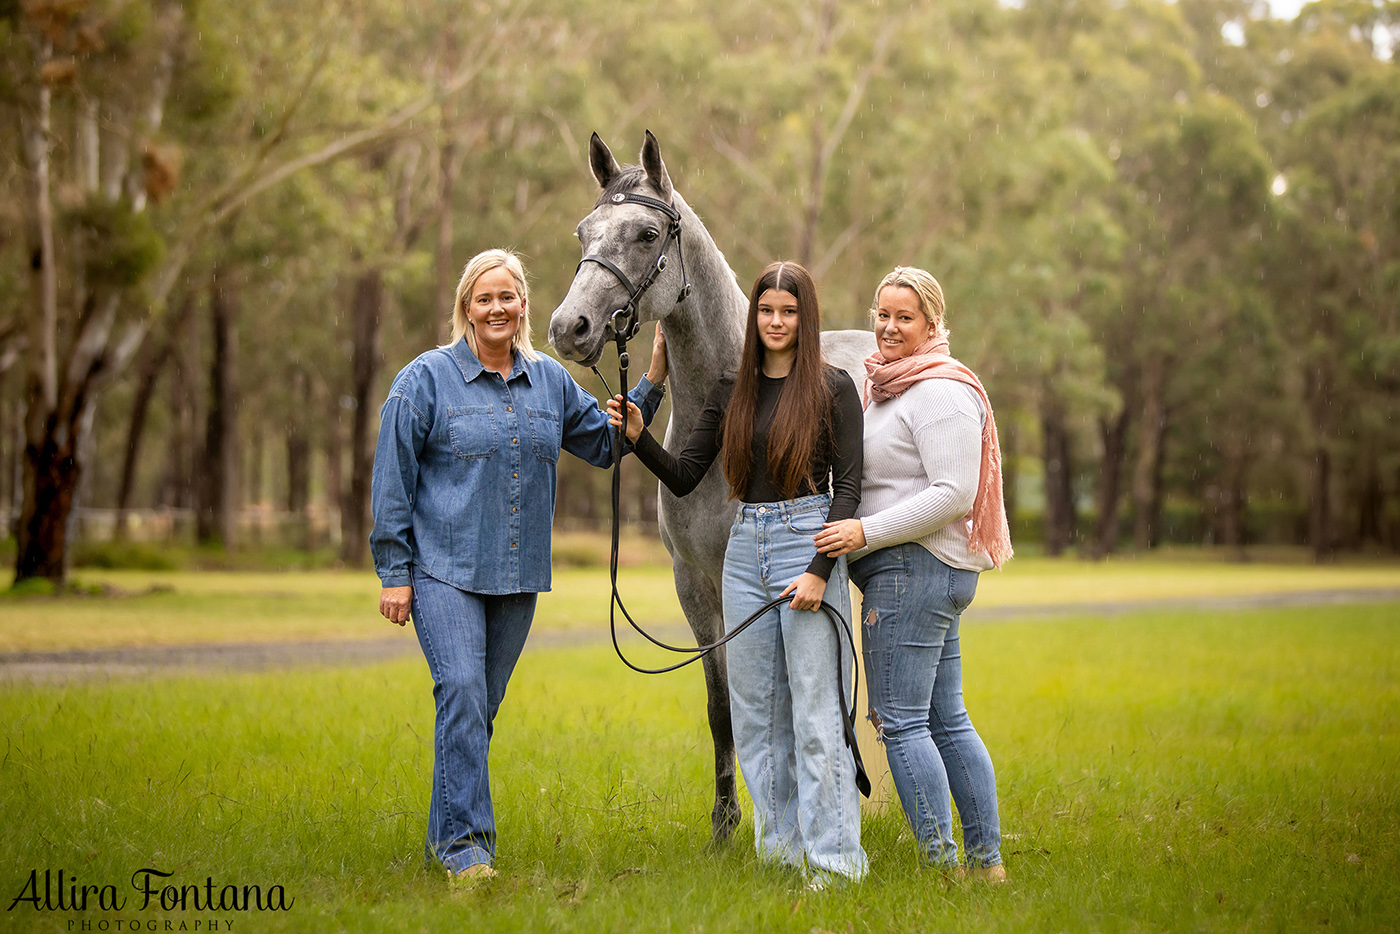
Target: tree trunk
179	488
1232	503
1114	435
448	166
50	468
1147	473
51	474
1320	501
152	366
367	309
1370	505
216	519
1059	486
299	462
1010	469
252	491
299	446
1318	392
335	463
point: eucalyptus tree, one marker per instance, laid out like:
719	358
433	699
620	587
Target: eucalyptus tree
110	71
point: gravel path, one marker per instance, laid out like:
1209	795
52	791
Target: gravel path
262	656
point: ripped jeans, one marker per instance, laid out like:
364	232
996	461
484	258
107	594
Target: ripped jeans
913	665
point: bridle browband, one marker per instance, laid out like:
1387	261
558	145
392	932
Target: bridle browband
624	322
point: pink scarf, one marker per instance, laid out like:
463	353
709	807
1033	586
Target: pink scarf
888	379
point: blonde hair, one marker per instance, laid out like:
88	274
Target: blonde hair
478	266
924	285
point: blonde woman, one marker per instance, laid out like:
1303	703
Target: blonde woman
463	498
930	520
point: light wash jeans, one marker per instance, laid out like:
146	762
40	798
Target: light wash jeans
913	666
783	693
471	642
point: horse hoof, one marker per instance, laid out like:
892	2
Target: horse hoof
724	821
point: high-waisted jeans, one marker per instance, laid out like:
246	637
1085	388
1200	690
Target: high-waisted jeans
783	693
913	666
471	642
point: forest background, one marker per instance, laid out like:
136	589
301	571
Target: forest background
1169	235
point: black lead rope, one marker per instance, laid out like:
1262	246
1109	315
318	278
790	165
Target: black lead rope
621	331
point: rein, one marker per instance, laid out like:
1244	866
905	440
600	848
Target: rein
623	324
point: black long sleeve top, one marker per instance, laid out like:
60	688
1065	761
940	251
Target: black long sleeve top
835	467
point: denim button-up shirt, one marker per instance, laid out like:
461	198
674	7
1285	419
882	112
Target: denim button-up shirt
465	469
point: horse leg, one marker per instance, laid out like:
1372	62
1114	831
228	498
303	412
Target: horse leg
701	601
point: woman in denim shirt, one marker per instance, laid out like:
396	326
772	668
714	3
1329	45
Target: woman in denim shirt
463	498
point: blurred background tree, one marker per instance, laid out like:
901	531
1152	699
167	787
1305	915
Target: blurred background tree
1169	235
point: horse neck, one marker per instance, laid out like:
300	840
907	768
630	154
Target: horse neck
705	334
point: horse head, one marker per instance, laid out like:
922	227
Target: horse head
621	240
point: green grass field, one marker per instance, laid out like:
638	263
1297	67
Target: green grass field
179	607
1157	771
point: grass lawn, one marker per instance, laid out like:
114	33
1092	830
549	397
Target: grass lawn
1162	770
178	607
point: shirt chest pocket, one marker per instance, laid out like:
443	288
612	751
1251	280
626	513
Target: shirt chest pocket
545	433
472	429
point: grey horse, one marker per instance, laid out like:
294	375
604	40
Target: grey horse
704	338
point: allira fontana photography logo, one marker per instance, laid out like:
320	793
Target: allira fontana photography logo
148	891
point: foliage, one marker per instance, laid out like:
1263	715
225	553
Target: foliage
1166	231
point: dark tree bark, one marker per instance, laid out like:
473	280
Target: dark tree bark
448	167
333	439
299	461
1113	432
1010	469
1319	392
153	363
51	474
367	310
216	515
1320	504
1147	473
299	446
179	487
1232	503
1370	505
1059	476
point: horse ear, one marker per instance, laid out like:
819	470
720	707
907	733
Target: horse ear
601	161
655	168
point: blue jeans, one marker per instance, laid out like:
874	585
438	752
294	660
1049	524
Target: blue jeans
783	693
913	666
471	642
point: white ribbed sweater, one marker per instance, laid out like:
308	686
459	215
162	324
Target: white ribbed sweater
923	453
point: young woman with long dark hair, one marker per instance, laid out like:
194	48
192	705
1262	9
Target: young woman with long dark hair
787	431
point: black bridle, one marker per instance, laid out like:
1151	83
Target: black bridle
625	320
624	323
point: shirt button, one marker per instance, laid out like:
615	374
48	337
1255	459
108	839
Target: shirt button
509	409
515	476
514	440
512	544
515	509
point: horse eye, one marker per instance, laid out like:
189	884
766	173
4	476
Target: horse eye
649	235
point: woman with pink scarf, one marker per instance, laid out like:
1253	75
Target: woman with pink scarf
930	520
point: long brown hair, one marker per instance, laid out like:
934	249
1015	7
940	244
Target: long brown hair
803	416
